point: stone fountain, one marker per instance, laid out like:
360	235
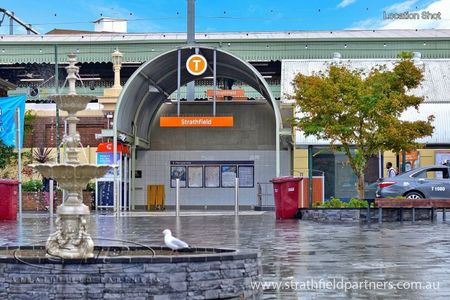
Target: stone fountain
71	239
69	266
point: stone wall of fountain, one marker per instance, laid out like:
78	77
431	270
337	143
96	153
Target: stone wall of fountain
208	274
71	239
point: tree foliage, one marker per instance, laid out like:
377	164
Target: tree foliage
29	118
6	154
361	111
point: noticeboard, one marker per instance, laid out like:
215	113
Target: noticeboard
228	174
105	193
177	172
212	176
213	173
246	176
195	176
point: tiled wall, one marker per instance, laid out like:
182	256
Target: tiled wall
155	166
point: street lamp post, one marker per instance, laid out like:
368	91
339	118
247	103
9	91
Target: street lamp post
117	65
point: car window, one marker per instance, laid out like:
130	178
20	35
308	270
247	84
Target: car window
435	173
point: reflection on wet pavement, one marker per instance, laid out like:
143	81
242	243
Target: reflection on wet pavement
292	250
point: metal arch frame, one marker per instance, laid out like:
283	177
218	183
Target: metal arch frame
140	72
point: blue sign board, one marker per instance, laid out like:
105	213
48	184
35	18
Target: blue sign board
105	185
8	119
106	158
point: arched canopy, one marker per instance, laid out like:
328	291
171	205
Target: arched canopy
155	80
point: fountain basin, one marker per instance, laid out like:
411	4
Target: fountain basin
130	273
72	103
71	177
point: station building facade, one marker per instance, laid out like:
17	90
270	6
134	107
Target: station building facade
256	138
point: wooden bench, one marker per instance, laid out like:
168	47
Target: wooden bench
412	204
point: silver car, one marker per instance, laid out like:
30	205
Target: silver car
426	182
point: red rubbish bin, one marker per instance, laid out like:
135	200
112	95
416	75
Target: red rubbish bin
8	199
286	193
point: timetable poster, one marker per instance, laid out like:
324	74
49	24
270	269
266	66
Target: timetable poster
195	176
212	176
180	173
228	175
246	174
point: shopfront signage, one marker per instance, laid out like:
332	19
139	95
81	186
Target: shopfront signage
196	64
109	147
196	122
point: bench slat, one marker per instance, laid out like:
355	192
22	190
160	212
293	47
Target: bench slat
410	203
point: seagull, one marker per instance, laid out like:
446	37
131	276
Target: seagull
172	242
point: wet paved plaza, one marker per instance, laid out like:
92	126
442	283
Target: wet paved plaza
293	251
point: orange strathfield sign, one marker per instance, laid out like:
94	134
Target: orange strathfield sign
196	64
224	93
196	122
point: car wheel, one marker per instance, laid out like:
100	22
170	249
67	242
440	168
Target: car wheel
414	195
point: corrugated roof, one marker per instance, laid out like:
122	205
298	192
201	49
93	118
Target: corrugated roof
435	87
441	112
283	35
441	133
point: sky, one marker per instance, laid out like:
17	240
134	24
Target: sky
229	15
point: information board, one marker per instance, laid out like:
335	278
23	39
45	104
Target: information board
107	158
212	173
180	173
246	175
195	176
105	193
228	175
212	176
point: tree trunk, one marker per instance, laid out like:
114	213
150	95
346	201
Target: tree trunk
361	185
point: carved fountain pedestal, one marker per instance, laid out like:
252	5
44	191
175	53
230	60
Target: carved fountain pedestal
71	239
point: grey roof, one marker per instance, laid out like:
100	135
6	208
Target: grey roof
441	112
441	133
139	102
435	86
277	35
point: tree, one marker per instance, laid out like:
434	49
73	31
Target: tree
6	154
359	111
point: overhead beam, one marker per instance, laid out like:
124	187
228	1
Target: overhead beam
160	89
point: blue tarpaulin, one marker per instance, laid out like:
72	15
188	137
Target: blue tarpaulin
8	116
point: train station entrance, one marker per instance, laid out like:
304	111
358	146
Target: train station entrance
207	142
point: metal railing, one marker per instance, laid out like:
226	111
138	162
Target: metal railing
264	194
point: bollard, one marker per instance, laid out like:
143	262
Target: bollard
51	198
444	211
236	196
380	215
177	199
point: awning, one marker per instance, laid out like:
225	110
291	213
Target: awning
154	81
